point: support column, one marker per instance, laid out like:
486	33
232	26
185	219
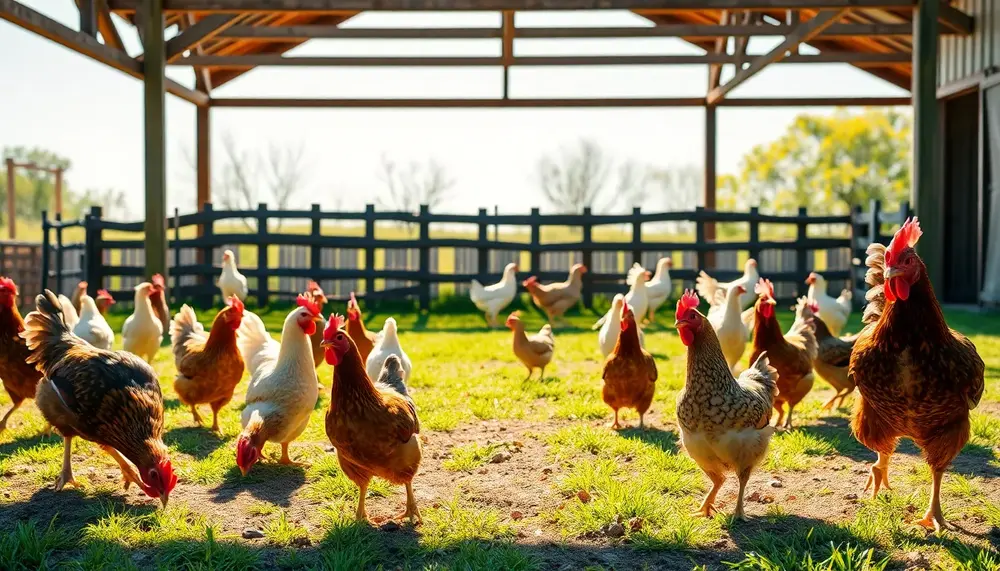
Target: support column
708	198
11	197
927	193
204	157
153	64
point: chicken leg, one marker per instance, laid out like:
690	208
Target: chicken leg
879	475
66	476
744	477
285	459
194	413
934	518
3	421
616	425
362	514
707	508
412	512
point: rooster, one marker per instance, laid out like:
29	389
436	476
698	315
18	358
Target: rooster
373	426
314	290
492	299
158	299
208	366
636	298
19	377
142	332
92	327
724	421
387	343
629	371
658	289
706	285
835	312
232	282
608	336
791	354
727	322
283	384
917	377
535	351
110	398
556	299
364	339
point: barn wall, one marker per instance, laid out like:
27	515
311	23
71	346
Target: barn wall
962	57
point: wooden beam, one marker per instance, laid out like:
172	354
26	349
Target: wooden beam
88	17
11	199
743	42
955	20
927	197
106	26
805	32
20	15
709	184
329	6
310	32
204	161
205	29
548	103
155	121
202	75
507	50
715	69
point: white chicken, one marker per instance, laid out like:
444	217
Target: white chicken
492	299
387	343
92	327
658	289
707	285
636	297
142	332
282	392
232	282
834	311
608	336
69	312
728	322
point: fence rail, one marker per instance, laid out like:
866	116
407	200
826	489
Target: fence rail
417	264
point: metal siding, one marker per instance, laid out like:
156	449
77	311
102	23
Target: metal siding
965	56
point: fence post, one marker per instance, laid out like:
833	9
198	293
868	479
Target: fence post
482	252
699	235
874	225
636	235
177	256
263	295
536	243
94	251
205	255
425	257
60	254
801	253
754	249
904	211
588	257
857	253
370	250
45	250
315	249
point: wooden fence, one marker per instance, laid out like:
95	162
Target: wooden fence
354	252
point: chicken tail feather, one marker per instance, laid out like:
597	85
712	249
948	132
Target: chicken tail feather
875	278
764	375
47	334
184	327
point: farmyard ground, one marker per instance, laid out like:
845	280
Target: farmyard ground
507	465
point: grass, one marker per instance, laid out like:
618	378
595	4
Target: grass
554	502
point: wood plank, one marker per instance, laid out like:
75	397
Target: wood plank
507	50
547	103
499	5
155	123
106	26
204	160
955	20
309	32
926	196
805	32
205	29
715	70
88	17
24	17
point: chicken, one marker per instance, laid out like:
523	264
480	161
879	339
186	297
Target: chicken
791	354
724	421
92	327
534	351
81	288
629	371
608	337
110	398
104	301
70	313
492	299
208	366
658	289
373	426
387	343
158	299
917	378
364	339
726	320
706	285
636	297
232	282
555	299
283	386
833	353
834	313
316	292
20	379
142	332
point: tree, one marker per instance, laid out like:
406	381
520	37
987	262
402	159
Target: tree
575	179
35	190
828	163
409	186
113	203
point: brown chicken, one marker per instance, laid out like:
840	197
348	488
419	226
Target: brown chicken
110	398
316	294
629	372
373	426
534	351
158	298
364	339
833	354
75	299
208	366
791	354
19	377
555	299
917	377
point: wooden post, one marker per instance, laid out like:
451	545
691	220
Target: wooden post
801	253
88	17
754	250
316	249
172	290
636	235
588	257
59	190
45	250
263	295
536	243
59	254
153	64
204	161
699	235
370	250
927	194
709	184
857	253
507	49
205	257
94	258
483	252
11	213
425	257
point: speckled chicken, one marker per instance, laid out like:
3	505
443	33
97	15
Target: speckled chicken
629	372
535	351
833	353
20	378
724	421
917	377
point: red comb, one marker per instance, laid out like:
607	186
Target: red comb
236	304
158	280
105	294
8	284
82	285
308	303
814	306
336	322
765	288
687	301
906	236
311	285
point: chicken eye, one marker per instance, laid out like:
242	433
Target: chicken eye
340	337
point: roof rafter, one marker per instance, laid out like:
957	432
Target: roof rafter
551	103
202	30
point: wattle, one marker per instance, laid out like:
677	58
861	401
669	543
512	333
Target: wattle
687	336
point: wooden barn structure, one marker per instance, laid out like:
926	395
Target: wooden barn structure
943	52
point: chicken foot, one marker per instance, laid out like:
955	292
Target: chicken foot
707	508
286	460
3	421
934	518
616	425
66	476
411	512
744	477
194	413
879	475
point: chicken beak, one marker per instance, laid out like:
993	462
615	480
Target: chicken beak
163	500
893	273
244	470
325	343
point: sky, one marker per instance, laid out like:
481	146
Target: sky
52	97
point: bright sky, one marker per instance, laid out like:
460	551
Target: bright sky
54	98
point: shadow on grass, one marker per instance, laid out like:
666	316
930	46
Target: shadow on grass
791	541
25	442
267	481
197	441
666	440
